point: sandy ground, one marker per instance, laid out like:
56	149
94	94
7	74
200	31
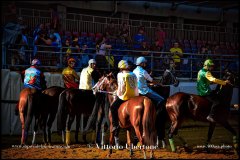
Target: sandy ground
221	147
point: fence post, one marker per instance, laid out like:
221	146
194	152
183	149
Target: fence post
151	61
4	61
61	58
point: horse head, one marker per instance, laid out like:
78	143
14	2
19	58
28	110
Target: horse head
225	91
106	83
229	75
169	78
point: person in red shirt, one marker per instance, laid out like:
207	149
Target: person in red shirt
69	75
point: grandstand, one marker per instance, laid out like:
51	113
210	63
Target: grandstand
199	24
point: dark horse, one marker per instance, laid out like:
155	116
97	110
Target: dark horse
49	101
138	113
37	104
163	88
182	105
73	102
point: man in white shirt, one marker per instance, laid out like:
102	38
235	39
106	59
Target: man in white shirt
143	77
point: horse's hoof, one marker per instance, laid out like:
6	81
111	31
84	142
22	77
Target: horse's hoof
108	155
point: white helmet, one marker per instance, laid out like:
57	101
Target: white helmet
91	61
140	60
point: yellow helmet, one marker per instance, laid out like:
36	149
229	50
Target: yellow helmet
122	64
208	62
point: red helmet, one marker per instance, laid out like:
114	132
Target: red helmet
36	62
71	60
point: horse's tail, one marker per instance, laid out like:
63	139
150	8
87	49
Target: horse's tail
148	122
61	113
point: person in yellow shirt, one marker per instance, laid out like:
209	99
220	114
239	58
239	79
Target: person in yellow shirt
88	76
69	75
127	88
177	53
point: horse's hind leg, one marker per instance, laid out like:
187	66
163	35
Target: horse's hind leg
77	127
35	129
210	133
49	126
173	130
69	124
235	140
98	127
129	141
23	126
29	116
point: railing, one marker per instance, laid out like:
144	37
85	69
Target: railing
89	23
190	64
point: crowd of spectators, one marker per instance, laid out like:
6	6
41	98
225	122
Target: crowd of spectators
99	45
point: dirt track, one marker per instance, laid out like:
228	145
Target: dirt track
221	148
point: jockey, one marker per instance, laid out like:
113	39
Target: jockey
142	77
69	75
33	77
127	88
203	86
89	76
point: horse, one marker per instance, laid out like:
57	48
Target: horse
73	102
28	105
182	105
138	113
49	101
162	87
31	104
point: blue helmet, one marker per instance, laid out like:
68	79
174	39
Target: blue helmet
140	60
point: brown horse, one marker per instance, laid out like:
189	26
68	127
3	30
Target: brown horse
49	103
139	113
28	107
73	102
41	105
181	105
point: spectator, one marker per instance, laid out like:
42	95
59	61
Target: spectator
24	45
55	21
139	38
144	47
157	61
160	36
101	52
177	53
83	58
125	33
67	51
111	29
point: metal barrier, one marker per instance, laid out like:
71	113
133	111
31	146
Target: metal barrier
94	24
190	63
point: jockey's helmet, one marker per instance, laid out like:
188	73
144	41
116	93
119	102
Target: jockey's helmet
36	62
91	61
140	60
71	60
208	63
122	64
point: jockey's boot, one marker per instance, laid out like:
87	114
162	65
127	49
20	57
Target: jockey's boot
68	138
210	119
